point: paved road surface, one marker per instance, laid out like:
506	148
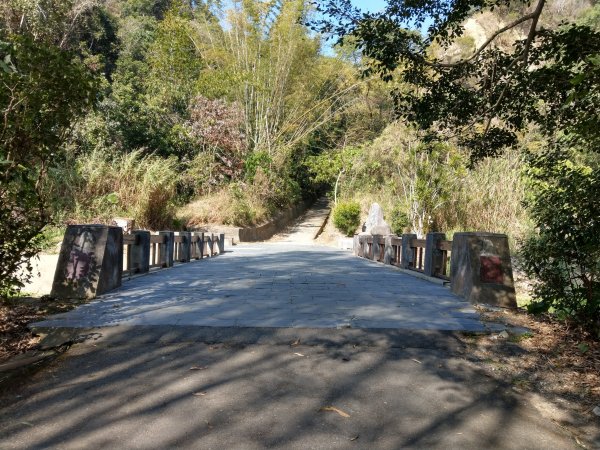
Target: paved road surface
279	285
178	387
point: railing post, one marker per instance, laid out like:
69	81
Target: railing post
433	256
139	252
195	248
356	245
389	253
202	245
408	259
165	250
221	243
208	238
183	246
365	247
376	251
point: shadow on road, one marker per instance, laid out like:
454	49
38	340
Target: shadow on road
151	387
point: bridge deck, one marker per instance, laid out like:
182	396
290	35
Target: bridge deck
278	285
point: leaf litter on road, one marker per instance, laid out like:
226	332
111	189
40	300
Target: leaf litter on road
334	409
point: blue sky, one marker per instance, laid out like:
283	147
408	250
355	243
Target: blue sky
369	5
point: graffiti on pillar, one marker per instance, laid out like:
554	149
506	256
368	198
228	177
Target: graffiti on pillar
81	258
491	269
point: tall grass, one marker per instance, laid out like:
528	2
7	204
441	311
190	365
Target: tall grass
495	192
135	185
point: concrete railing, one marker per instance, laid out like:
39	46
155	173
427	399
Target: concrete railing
143	250
430	256
477	265
94	258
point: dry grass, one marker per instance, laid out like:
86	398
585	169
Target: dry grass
142	187
495	190
228	206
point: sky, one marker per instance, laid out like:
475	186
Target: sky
369	5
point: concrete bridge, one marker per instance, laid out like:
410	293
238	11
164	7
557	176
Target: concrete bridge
278	285
288	282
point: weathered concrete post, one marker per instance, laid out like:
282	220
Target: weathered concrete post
433	256
165	250
209	244
365	247
376	247
202	245
139	252
356	245
90	261
481	270
195	245
183	246
388	253
221	243
407	252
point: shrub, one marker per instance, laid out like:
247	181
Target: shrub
346	217
399	220
563	255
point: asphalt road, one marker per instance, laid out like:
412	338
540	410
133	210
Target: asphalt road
212	388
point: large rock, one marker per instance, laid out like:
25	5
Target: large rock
375	223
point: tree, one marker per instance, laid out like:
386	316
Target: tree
485	98
44	88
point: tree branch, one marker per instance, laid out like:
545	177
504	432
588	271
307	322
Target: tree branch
534	16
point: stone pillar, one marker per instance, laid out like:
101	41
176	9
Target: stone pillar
90	262
356	245
388	255
433	256
365	248
184	246
407	252
208	238
165	250
221	243
481	270
196	251
376	247
139	253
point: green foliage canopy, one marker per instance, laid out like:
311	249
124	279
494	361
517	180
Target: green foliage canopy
44	89
484	99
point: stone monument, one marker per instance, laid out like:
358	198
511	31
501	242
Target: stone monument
375	224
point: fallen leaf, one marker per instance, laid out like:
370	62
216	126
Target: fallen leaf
199	394
416	360
198	367
354	438
295	343
298	354
334	409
